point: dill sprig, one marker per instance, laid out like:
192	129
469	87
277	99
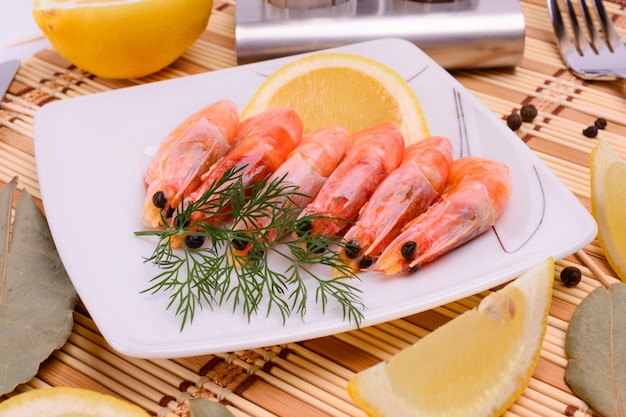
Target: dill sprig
215	273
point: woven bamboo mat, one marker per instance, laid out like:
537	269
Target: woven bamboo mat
308	378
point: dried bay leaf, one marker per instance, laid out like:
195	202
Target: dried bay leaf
596	347
36	296
201	407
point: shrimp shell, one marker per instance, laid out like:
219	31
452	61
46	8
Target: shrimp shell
265	141
474	197
187	153
404	194
374	152
306	168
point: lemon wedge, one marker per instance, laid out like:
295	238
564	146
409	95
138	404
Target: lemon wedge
67	402
349	90
608	203
475	365
122	38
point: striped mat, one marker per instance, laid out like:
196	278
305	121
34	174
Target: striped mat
308	378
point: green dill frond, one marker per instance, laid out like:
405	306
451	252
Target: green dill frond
214	273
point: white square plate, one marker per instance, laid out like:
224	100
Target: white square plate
92	152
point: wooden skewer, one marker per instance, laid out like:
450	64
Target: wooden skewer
27	39
17	109
302	390
320	361
305	369
398	333
336	388
18	129
384	337
602	277
536	407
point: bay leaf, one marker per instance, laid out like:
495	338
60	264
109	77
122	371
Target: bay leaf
201	407
596	347
36	296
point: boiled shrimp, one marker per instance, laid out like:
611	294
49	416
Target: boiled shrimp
373	153
474	197
265	141
306	169
404	194
185	155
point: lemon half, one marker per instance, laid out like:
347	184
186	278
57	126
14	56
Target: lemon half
122	38
67	402
608	204
475	365
348	90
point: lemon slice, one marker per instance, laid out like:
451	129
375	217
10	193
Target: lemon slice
349	90
68	402
477	364
122	38
608	204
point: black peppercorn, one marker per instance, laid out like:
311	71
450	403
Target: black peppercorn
408	250
590	131
194	241
352	249
239	244
159	200
366	262
317	247
528	112
570	276
600	123
181	223
514	121
303	227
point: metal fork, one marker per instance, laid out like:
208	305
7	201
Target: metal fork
601	55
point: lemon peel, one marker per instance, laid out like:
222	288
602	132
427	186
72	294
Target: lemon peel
608	203
68	402
476	365
122	38
337	88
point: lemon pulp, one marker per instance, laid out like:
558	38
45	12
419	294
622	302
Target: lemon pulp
477	364
608	204
122	38
68	402
349	90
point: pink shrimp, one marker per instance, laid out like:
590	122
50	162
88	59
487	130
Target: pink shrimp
306	168
265	141
184	155
404	194
474	197
374	152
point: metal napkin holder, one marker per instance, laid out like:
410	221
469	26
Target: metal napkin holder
454	33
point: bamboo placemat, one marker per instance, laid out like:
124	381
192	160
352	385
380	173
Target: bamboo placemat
308	378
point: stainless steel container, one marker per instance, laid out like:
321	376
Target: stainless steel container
455	33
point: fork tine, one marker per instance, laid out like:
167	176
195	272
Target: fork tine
594	35
564	39
581	41
612	38
599	56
